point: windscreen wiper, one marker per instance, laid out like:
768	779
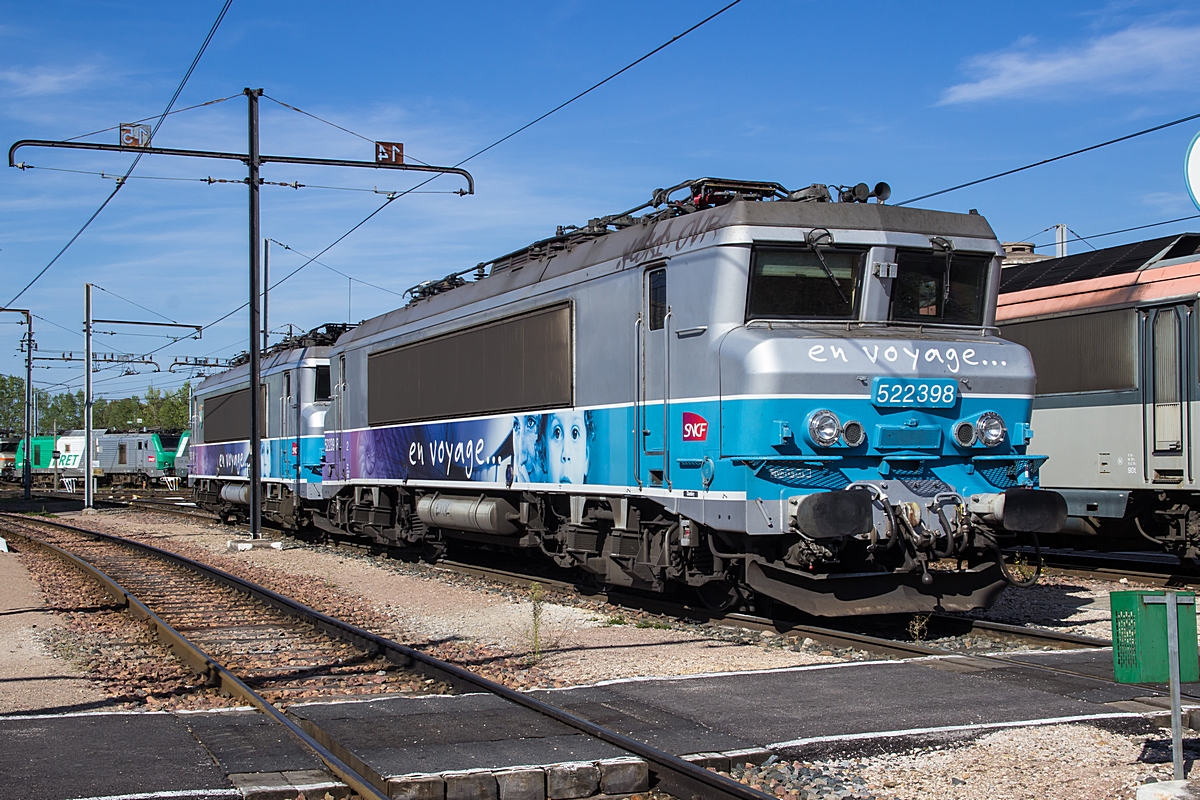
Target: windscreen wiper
813	239
946	246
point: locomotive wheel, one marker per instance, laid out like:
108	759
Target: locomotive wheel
719	596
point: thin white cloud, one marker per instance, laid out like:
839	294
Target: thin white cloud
40	81
1139	58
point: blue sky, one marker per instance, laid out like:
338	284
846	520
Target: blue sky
923	96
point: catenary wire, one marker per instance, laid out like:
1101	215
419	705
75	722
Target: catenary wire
499	141
1079	238
191	68
147	119
407	156
338	271
132	303
1044	161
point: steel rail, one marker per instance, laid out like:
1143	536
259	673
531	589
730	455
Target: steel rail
833	636
677	777
836	636
202	664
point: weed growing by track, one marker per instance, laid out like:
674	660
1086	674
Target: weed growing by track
537	600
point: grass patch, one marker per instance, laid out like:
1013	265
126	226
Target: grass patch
658	626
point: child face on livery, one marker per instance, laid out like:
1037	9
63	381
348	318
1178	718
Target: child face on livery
567	447
525	432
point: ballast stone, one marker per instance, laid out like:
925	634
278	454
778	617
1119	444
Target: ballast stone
572	780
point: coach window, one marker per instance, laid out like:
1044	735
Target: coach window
122	453
658	299
940	287
804	283
1083	353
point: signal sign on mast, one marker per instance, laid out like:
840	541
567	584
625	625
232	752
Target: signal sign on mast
389	152
133	135
1191	169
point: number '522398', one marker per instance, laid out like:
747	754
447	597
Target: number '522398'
928	393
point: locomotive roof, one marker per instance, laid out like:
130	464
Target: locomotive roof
637	238
1118	260
275	361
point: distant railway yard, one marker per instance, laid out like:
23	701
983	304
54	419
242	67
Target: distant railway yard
1026	683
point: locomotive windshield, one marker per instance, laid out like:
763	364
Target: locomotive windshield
793	283
920	293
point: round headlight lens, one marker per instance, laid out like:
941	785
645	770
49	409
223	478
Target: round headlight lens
824	427
990	428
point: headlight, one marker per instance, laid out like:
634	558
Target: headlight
990	428
824	427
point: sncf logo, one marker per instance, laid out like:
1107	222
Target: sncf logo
695	427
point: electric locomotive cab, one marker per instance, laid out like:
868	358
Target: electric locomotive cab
883	423
8	457
756	393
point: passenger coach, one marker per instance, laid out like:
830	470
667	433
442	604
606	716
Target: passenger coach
1114	337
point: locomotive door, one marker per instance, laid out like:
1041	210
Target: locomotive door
296	407
1166	366
655	386
338	472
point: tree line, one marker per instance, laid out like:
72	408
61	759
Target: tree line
158	410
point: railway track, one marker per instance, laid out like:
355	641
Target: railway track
842	637
269	650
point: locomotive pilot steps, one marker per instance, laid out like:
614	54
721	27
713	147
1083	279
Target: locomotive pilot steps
761	394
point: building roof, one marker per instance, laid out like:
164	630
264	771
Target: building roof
1117	260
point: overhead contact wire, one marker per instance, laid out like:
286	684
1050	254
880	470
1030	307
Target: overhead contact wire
212	31
478	153
147	119
1045	161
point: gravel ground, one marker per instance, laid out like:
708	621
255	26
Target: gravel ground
125	664
31	677
483	625
1064	762
487	626
1061	603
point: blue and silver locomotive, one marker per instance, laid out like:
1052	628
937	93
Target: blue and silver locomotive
764	395
293	398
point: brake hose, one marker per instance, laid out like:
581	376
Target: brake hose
1037	573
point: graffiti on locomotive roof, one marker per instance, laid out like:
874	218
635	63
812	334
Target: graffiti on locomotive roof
556	447
903	355
656	240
